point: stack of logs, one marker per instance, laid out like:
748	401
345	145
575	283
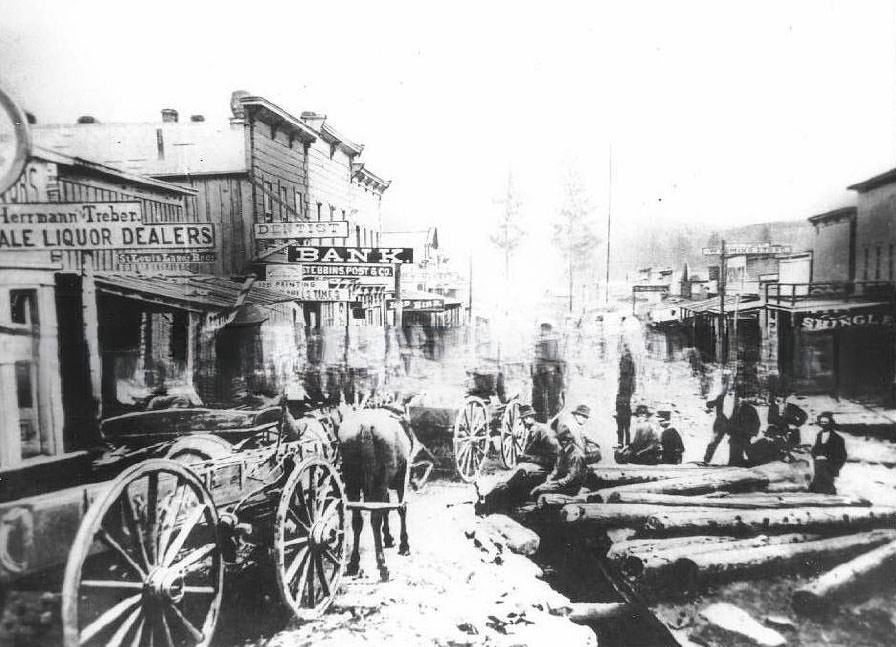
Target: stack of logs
674	528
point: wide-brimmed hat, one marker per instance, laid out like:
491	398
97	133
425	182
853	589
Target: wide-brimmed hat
642	409
526	411
582	410
664	415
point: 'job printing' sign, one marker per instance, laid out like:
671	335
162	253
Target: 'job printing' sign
93	225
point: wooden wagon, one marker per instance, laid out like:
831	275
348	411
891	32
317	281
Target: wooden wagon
144	553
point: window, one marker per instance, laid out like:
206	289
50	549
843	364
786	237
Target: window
28	421
357	236
300	204
890	264
865	269
319	205
23	307
284	203
268	203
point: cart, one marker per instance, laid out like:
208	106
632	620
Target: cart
144	553
487	423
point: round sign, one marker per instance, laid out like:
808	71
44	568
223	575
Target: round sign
15	142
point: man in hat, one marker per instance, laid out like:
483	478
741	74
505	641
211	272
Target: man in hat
570	469
828	454
670	439
538	458
645	447
785	418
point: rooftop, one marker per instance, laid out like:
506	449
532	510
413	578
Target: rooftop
873	182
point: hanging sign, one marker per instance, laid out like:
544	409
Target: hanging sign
359	271
308	290
301	229
15	141
418	304
389	255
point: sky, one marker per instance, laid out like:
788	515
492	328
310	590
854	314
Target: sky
721	112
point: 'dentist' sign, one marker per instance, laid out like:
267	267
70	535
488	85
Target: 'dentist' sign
93	225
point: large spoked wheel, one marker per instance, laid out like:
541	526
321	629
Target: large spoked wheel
145	567
471	438
513	435
309	537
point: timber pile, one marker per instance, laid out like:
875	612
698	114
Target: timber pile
676	528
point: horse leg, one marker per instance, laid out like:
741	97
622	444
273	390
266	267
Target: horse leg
388	539
376	520
403	548
357	525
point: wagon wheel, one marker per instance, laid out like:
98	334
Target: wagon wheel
309	537
513	435
471	438
145	566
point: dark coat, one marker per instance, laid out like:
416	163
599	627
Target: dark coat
791	415
834	450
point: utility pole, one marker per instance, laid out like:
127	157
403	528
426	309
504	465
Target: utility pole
723	332
609	213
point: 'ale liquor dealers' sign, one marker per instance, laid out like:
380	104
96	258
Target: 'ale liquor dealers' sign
389	255
93	225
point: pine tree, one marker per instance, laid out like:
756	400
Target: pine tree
509	233
573	231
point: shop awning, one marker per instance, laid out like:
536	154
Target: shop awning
711	306
828	305
196	292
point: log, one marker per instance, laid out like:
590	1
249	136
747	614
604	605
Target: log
773	559
517	538
736	480
604	476
784	486
587	612
552	500
703	521
816	596
658	562
607	514
749	501
622	549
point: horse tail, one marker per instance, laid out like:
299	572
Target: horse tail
368	458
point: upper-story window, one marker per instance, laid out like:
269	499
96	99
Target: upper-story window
877	254
300	204
284	203
268	202
865	266
319	207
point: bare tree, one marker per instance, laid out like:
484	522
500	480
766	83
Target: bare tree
573	231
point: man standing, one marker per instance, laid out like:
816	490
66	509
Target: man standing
744	426
569	471
673	447
828	454
624	392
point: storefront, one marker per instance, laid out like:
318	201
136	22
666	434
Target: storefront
837	347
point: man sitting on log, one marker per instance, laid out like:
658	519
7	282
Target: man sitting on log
829	455
673	447
570	469
785	418
540	455
645	448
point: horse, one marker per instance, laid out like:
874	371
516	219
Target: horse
377	456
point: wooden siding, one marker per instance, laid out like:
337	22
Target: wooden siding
280	160
157	207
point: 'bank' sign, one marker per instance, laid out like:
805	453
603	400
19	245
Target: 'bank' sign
93	225
351	255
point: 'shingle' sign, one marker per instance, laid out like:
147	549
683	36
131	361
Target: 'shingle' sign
389	255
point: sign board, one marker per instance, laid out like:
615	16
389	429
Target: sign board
186	256
359	271
15	142
389	255
737	249
418	304
93	225
301	229
650	288
830	320
308	290
282	272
